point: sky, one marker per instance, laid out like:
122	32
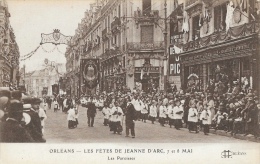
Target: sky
30	18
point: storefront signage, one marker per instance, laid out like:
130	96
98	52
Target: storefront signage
223	53
174	65
146	69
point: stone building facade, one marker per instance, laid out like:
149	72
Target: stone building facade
127	37
9	50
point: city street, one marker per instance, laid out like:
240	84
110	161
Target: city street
56	131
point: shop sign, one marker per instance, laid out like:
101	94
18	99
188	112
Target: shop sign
233	51
174	65
146	69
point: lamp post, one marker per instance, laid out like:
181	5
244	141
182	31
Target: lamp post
165	59
18	79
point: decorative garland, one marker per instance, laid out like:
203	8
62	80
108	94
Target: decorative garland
55	47
27	56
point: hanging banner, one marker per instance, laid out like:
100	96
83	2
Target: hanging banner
44	90
55	89
55	38
90	72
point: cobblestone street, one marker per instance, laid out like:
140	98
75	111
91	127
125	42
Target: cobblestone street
56	131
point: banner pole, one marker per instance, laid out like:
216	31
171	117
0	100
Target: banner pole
80	78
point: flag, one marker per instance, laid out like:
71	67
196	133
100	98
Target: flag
175	3
142	74
185	25
243	5
177	49
229	16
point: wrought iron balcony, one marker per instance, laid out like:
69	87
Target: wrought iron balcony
115	24
146	16
136	46
104	32
223	36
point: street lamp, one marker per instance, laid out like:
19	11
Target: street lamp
18	79
165	59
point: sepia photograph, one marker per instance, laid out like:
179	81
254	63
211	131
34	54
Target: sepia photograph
141	81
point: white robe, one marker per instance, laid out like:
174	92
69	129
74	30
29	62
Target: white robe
191	117
71	115
206	117
116	117
163	111
170	112
144	109
176	110
153	111
106	112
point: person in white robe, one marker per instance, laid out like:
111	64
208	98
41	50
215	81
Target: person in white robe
153	111
206	119
193	118
178	115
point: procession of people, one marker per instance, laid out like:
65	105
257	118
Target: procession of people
23	117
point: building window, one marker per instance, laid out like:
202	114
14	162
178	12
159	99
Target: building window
195	27
115	40
146	7
220	13
147	34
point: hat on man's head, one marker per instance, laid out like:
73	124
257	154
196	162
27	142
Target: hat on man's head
16	95
5	93
36	101
15	106
27	100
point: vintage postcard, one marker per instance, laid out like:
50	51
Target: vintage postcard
129	81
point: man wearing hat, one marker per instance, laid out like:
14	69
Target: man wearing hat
130	118
17	95
34	127
11	130
5	96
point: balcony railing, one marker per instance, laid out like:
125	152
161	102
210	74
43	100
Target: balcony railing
115	24
136	46
222	36
146	16
104	34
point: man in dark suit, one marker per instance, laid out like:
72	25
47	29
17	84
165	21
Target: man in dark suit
11	130
31	105
130	118
91	113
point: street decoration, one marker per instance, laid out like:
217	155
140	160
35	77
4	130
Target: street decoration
55	38
90	72
55	89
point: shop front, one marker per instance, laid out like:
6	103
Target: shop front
147	78
222	65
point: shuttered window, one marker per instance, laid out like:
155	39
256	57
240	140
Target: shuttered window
146	34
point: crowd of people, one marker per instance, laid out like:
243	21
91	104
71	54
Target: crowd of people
235	113
21	117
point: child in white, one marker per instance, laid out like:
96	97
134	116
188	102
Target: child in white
71	118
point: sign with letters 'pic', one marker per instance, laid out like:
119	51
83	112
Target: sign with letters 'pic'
174	64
